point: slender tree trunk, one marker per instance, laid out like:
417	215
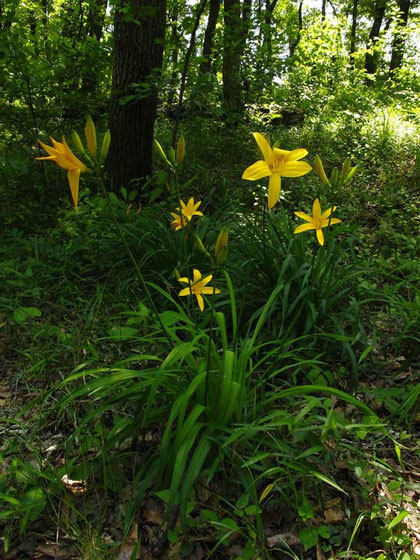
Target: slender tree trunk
324	8
300	25
267	42
95	24
214	10
138	54
231	56
398	43
353	28
371	59
200	10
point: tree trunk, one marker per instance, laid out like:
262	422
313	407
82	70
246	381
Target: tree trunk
324	8
267	42
138	54
371	60
95	24
200	10
237	21
300	25
398	42
214	10
353	28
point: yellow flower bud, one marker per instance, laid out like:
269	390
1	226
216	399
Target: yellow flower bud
105	146
180	150
171	155
159	150
345	170
334	177
350	174
90	134
78	142
319	170
221	245
199	244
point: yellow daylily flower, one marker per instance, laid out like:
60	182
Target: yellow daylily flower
190	209
197	287
179	221
64	158
186	213
277	163
317	221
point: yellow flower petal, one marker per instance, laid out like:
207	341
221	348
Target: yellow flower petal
264	146
196	275
316	209
295	168
73	177
327	213
183	279
320	236
257	170
303	216
297	154
210	290
185	292
335	221
303	227
274	188
206	280
200	301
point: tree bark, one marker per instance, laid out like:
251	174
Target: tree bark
206	63
371	59
200	10
353	28
236	19
398	42
138	53
300	25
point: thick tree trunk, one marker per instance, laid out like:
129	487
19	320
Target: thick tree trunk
138	54
214	10
324	8
353	28
398	42
371	60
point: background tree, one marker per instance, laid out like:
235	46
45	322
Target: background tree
138	51
372	56
398	41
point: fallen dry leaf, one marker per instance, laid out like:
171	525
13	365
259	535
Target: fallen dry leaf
334	515
283	538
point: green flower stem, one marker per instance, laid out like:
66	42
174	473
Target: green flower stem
133	260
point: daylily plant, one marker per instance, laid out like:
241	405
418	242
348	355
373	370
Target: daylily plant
317	221
197	287
64	158
276	164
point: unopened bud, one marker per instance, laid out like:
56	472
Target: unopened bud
334	177
345	170
351	174
176	273
159	150
78	142
221	249
180	150
171	155
90	134
199	244
105	146
319	170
